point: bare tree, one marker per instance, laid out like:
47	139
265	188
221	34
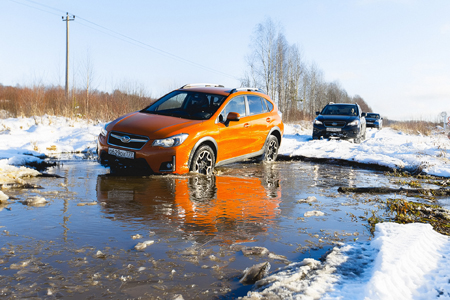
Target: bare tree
262	59
277	67
360	101
89	73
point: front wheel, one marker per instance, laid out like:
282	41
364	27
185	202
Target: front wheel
271	149
203	161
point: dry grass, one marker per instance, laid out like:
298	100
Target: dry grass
40	100
414	127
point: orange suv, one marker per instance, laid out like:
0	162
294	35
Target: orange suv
194	129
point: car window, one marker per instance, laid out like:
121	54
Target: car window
255	105
237	104
343	110
173	102
187	104
374	116
269	105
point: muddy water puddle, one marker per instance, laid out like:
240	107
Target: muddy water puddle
157	237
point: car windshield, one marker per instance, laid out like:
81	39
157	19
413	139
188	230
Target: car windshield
187	105
373	116
344	110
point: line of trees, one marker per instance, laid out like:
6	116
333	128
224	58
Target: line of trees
278	68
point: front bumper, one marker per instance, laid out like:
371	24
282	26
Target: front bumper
153	160
374	124
347	132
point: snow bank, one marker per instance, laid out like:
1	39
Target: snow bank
47	135
401	262
11	174
385	147
29	140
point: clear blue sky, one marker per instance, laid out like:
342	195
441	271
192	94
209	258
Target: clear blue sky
393	53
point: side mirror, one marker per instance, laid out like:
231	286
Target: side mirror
363	114
232	117
317	113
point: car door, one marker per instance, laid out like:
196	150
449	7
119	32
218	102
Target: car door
258	122
234	137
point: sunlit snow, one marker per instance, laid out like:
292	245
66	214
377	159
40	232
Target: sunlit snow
385	147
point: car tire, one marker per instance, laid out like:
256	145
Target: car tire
270	149
315	137
203	161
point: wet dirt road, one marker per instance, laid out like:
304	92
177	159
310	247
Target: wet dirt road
159	237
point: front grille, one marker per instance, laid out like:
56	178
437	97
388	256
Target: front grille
127	140
334	123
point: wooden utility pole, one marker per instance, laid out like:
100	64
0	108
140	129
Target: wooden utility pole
67	19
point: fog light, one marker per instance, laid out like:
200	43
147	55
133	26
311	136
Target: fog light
168	166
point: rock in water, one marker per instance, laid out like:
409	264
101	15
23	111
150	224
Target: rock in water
255	250
143	245
313	213
255	273
35	201
3	197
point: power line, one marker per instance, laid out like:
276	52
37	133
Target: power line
34	6
160	51
37	3
126	38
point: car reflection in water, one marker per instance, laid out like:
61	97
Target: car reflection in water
224	208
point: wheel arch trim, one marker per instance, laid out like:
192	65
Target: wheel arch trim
204	140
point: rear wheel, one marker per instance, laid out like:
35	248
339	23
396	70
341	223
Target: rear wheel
203	161
271	149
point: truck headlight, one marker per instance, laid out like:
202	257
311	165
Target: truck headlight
317	122
103	131
353	123
172	141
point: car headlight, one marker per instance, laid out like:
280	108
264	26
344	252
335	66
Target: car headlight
317	122
104	132
353	123
172	141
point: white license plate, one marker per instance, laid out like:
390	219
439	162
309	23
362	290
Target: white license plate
333	129
121	153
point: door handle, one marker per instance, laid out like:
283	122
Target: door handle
268	120
246	125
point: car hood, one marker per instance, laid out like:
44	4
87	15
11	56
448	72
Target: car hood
336	118
151	125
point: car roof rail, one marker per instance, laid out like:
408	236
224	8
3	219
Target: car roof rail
248	89
193	85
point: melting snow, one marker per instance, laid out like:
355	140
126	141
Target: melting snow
402	261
